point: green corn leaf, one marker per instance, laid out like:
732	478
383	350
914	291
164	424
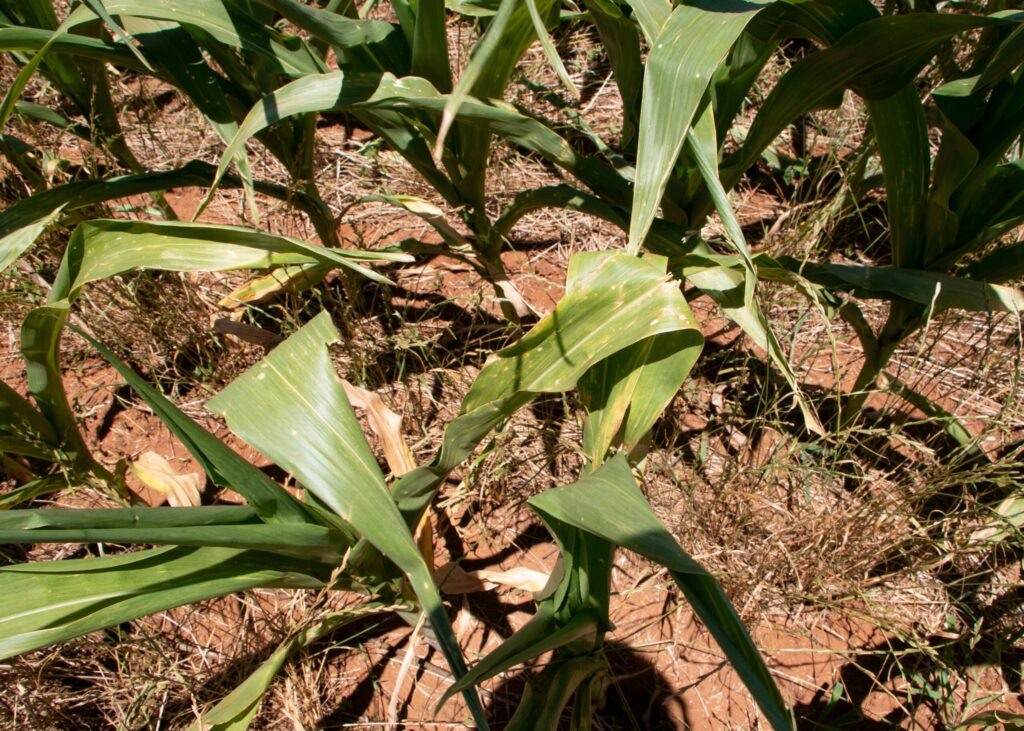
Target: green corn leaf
1007	57
10	99
550	52
621	300
544	701
36	39
621	293
679	70
626	393
101	249
902	135
21	223
997	210
32	490
40	341
954	162
1005	264
882	56
62	519
508	34
19	418
933	290
294	397
622	44
541	634
375	94
235	711
358	42
735	78
46	603
652	15
702	142
430	45
823	20
104	248
50	116
312	93
224	22
120	33
337	463
715	275
311	542
609	505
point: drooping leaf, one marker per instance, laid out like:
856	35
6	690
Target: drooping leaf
930	289
609	505
294	397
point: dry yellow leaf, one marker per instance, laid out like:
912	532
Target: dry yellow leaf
156	473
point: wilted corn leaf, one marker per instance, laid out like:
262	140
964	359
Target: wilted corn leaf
453	579
156	473
608	504
292	407
386	424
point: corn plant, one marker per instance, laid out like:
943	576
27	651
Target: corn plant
350	517
948	215
622	337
